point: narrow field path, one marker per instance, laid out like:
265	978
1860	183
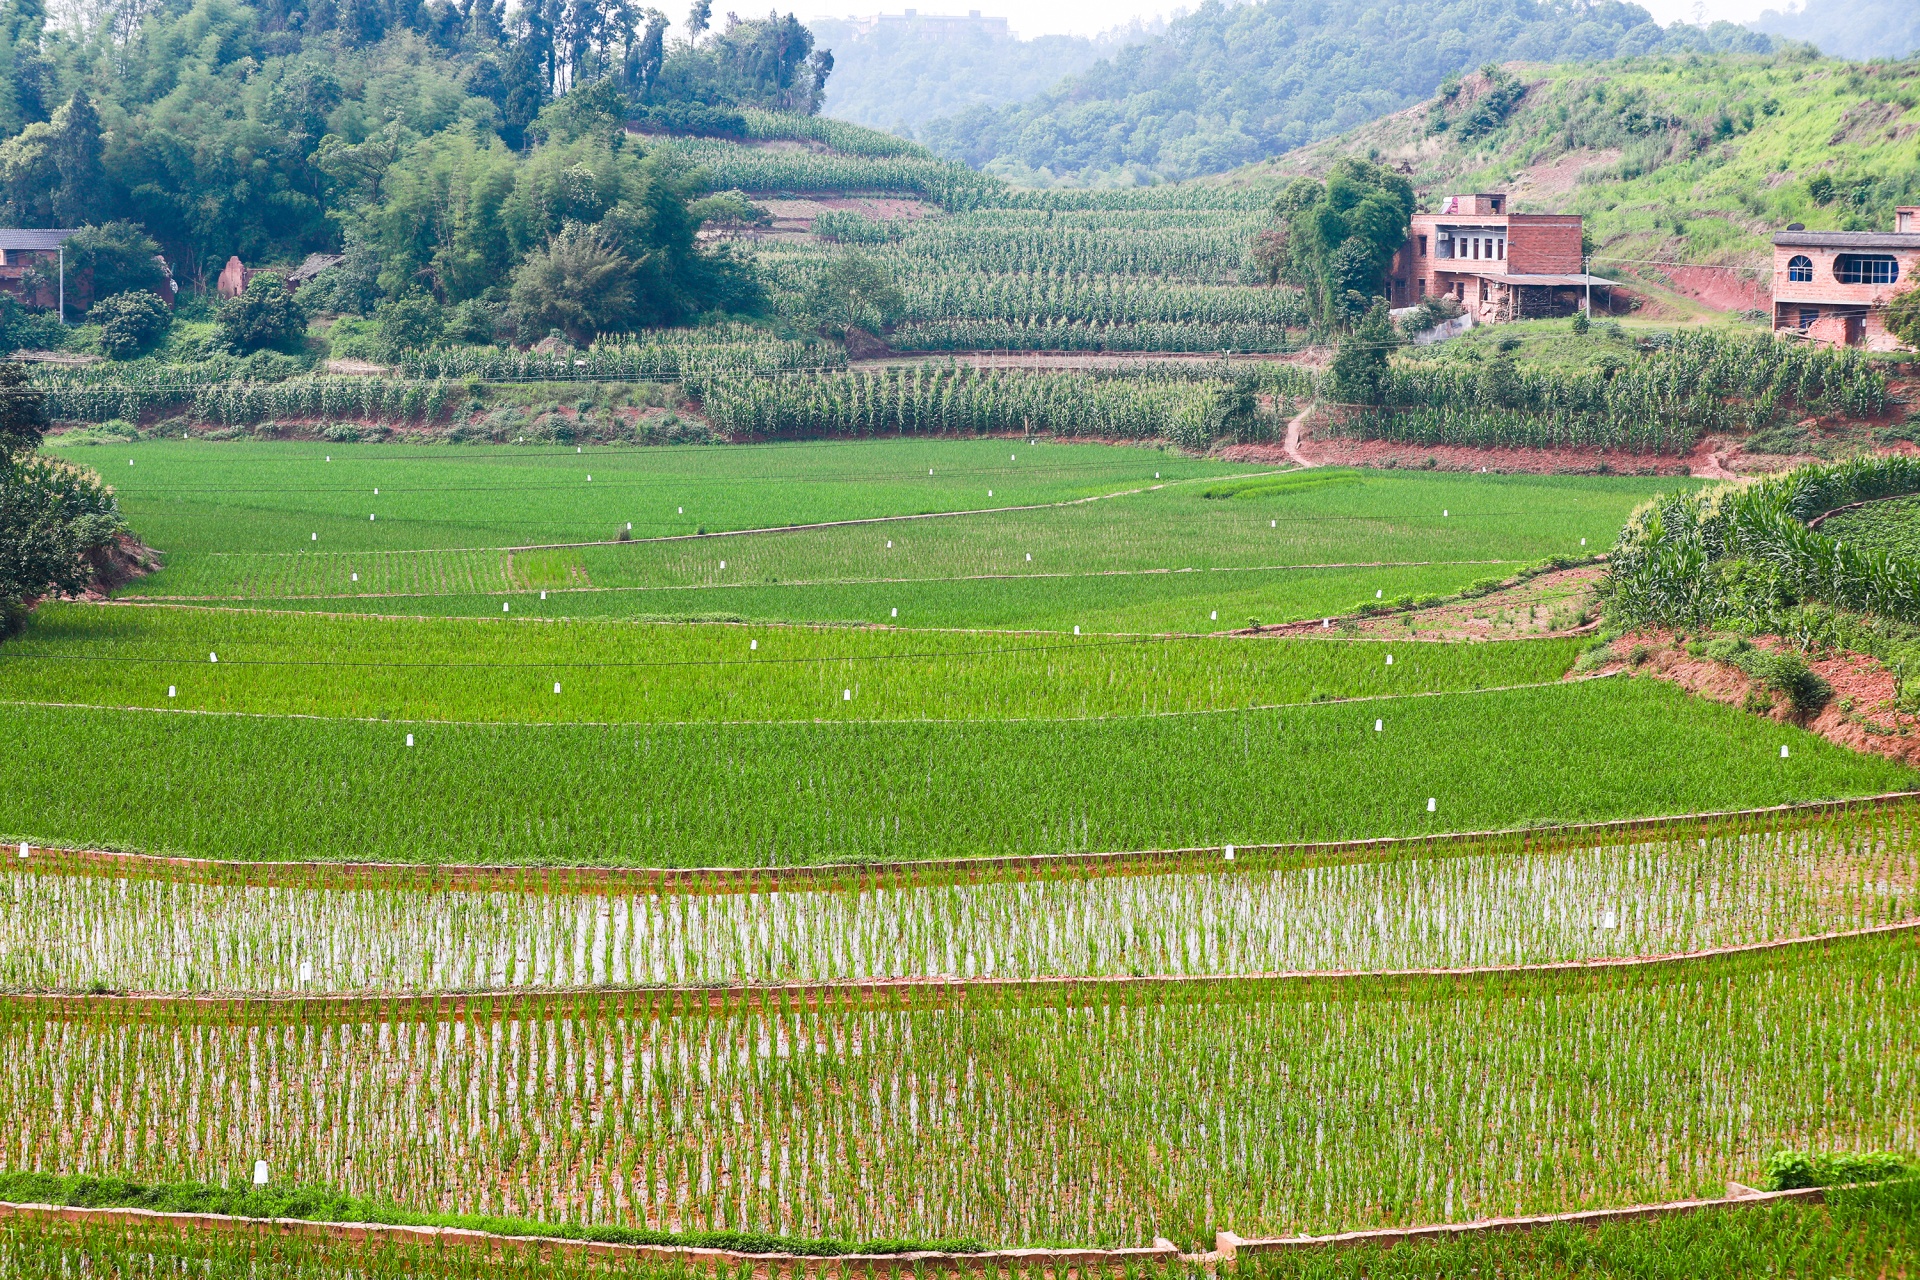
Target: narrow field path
1294	427
1714	468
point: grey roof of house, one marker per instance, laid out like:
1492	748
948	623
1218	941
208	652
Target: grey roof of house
33	237
1845	240
314	264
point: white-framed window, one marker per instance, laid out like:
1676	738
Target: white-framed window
1866	268
1800	268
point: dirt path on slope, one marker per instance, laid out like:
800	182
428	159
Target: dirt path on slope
1294	426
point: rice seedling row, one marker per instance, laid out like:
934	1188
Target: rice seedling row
74	925
255	497
1093	1119
502	670
1310	519
1122	603
245	787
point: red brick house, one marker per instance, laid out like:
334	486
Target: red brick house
32	267
1834	286
1498	265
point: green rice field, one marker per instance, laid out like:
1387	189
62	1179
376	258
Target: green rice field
532	875
1071	534
519	670
771	794
1103	1113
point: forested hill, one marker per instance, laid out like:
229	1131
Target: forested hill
903	73
1670	159
407	128
1229	85
1859	29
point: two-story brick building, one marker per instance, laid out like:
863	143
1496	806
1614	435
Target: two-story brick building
1834	286
1498	265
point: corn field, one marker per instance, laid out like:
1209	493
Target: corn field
1664	570
942	296
837	135
752	169
1093	336
376	399
1691	384
666	355
947	400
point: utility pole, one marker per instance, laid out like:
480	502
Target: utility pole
63	282
1587	271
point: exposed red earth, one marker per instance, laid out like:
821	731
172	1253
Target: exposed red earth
1863	714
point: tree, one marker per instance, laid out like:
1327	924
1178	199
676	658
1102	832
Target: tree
53	515
266	315
23	415
1903	316
118	257
855	292
1341	237
50	173
131	322
579	284
409	324
1359	373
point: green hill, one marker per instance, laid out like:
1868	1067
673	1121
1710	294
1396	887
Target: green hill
1670	159
1227	85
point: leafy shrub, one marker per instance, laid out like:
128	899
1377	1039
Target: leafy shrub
131	322
119	257
1791	1170
1781	670
265	317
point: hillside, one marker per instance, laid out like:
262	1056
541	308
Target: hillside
903	73
1230	85
1694	159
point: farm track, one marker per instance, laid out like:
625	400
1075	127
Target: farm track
879	995
715	881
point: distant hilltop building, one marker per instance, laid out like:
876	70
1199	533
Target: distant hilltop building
1834	286
1497	265
937	24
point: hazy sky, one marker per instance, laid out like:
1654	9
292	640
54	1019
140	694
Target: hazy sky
1088	17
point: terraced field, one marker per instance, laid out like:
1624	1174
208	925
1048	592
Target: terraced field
1043	912
1052	536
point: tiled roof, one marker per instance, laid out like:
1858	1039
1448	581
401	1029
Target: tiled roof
33	237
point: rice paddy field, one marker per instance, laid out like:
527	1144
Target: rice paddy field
812	865
945	533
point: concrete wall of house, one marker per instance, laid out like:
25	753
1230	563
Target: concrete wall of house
1827	310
